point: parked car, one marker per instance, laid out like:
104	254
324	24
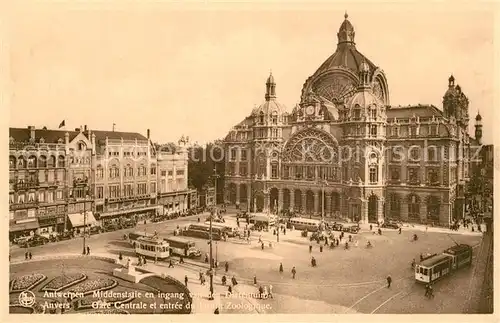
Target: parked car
65	236
354	229
35	241
337	227
390	225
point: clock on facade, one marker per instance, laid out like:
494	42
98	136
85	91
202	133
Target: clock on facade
310	110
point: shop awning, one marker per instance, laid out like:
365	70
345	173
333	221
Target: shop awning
127	211
78	220
32	225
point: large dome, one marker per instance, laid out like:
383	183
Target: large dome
337	79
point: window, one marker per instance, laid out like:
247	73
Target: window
20	198
286	172
243	155
395	131
153	169
433	206
127	190
274	171
433	130
413	176
31	197
99	172
274	133
432	153
261	117
310	172
32	162
170	173
100	192
374	113
373	130
152	187
243	169
163	173
141	171
41	197
413	207
50	197
413	131
395	175
114	172
141	188
180	172
274	118
395	206
114	191
11	198
299	172
233	154
59	195
357	114
42	162
373	175
414	153
61	161
433	177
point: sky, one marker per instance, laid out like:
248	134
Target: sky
199	70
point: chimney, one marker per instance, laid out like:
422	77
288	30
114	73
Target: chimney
148	133
32	132
77	129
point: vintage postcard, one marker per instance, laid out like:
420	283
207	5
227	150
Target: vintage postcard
230	158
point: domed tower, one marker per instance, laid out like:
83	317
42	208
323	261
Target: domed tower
456	104
268	121
479	128
337	79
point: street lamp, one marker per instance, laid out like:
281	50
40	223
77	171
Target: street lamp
277	221
211	297
84	221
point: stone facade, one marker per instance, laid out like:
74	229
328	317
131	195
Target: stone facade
345	152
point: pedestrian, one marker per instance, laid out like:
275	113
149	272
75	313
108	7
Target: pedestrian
379	231
200	276
399	230
223	280
262	246
389	281
337	242
10	256
350	238
181	259
293	272
30	255
206	258
255	279
371	227
426	290
261	292
170	264
271	291
281	267
230	289
88	250
233	281
26	255
310	248
120	256
203	280
226	266
185	280
216	311
144	260
321	248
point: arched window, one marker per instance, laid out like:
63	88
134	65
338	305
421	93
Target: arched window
274	170
261	117
51	162
32	162
21	162
42	162
81	146
373	175
274	117
12	162
395	206
60	161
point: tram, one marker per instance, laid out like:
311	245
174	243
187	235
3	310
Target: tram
152	247
439	266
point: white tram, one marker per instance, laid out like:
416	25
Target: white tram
152	247
441	265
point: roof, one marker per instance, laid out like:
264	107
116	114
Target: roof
421	111
348	56
52	136
457	249
268	107
433	260
364	99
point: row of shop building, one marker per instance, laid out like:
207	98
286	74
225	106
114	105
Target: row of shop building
62	180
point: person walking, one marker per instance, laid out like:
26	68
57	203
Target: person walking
371	227
216	311
30	255
223	280
389	281
26	255
293	272
321	248
185	280
170	264
88	250
226	266
399	231
255	279
281	267
310	247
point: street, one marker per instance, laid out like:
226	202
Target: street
345	281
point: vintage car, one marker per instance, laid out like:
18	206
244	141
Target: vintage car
390	225
337	227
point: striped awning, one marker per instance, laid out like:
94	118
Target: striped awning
78	219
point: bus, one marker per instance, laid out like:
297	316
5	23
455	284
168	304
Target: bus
152	247
203	231
133	236
182	247
231	230
438	266
206	227
305	224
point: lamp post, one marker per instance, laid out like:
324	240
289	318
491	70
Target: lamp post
84	222
277	221
211	297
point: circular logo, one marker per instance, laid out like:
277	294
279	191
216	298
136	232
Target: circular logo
27	298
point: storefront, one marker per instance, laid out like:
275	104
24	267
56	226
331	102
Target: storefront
51	224
127	213
79	220
20	228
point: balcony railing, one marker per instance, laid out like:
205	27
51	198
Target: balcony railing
26	185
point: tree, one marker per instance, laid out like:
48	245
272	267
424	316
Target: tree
201	164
